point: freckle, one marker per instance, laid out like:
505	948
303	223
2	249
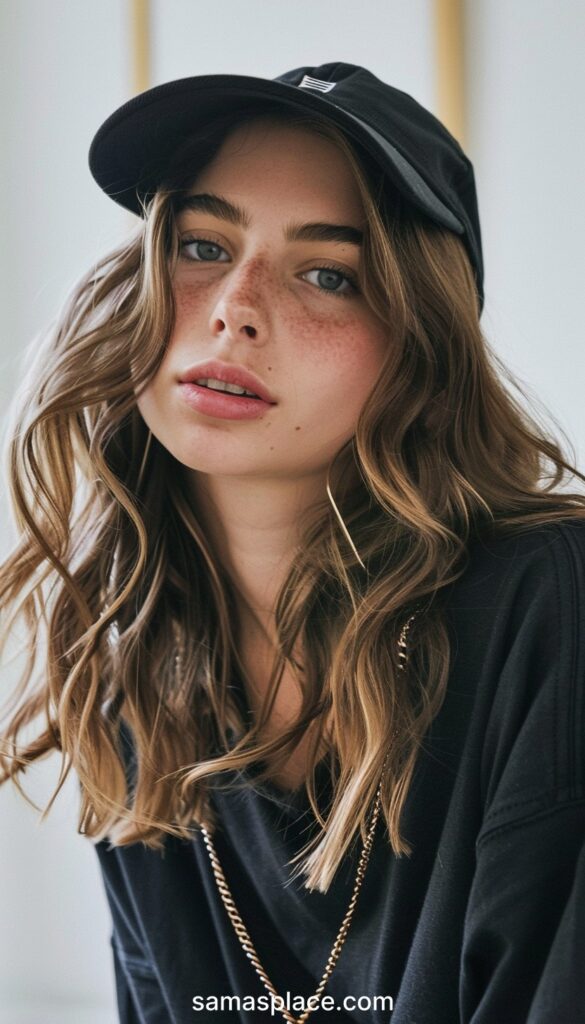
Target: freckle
297	428
271	447
323	336
269	367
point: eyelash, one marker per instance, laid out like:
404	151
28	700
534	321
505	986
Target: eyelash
350	278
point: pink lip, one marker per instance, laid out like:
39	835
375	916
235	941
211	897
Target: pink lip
230	373
223	405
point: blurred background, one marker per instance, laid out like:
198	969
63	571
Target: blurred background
507	77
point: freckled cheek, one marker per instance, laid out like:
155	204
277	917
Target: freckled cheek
344	355
191	301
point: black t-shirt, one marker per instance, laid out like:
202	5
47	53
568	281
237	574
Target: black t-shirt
484	923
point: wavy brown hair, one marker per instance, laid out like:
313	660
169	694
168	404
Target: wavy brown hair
131	621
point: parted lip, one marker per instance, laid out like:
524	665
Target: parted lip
230	373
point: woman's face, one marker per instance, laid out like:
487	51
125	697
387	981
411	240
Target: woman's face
246	294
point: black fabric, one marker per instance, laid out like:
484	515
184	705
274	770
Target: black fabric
485	922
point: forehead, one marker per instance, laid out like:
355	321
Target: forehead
282	162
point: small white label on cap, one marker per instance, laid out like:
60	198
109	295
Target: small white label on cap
316	83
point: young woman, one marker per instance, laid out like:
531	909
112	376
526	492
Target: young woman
335	625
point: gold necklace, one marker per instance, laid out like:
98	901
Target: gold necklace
239	926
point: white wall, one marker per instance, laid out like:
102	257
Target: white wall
65	67
526	83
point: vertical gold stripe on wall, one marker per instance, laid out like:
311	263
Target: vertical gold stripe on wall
140	42
450	65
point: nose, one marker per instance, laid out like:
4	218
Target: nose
240	304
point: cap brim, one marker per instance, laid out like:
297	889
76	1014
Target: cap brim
131	150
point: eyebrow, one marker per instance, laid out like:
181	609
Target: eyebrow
217	206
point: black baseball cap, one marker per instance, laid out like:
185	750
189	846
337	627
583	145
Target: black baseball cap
422	160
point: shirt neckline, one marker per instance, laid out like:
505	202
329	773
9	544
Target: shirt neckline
293	799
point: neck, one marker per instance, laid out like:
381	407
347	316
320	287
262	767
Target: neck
254	529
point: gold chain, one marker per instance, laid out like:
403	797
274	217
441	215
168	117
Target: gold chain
239	926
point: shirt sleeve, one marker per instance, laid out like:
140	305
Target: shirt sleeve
524	938
126	1009
138	993
140	996
523	951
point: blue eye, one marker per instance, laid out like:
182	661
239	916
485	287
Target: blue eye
336	273
206	244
